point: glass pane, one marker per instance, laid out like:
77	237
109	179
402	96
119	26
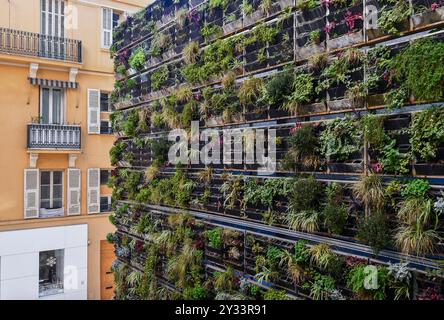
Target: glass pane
57	106
45	192
116	18
51	267
45	177
45	106
104	102
57	203
57	191
57	177
45	204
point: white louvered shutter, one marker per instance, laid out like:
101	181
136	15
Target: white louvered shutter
31	194
93	190
107	27
93	111
74	191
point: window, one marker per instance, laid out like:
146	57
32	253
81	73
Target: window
52	23
105	103
105	127
51	106
116	19
51	189
105	204
52	18
51	268
104	176
110	20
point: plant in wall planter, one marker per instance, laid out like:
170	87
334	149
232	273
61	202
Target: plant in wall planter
393	19
302	151
137	60
427	141
339	142
210	31
251	16
424	16
419	220
354	35
303	90
314	45
159	77
426	55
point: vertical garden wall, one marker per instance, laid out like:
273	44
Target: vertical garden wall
359	118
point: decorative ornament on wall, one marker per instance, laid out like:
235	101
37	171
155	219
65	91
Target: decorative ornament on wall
51	261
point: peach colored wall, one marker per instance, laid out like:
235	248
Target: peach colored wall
20	102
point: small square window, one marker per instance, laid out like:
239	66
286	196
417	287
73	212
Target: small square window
105	204
105	127
51	269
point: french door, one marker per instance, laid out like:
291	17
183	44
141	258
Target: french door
51	106
52	28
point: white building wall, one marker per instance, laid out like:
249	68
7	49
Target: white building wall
19	261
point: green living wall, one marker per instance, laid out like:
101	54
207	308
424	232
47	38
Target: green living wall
357	109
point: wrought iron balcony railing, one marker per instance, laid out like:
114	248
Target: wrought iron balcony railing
38	45
54	136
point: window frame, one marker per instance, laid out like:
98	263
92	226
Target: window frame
109	203
109	175
59	273
109	101
46	15
51	189
51	104
104	29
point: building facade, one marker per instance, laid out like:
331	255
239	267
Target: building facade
56	75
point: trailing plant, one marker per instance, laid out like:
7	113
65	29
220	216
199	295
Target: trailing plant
420	67
116	152
396	98
391	19
303	90
427	133
341	138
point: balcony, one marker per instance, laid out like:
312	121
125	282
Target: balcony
54	136
40	46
